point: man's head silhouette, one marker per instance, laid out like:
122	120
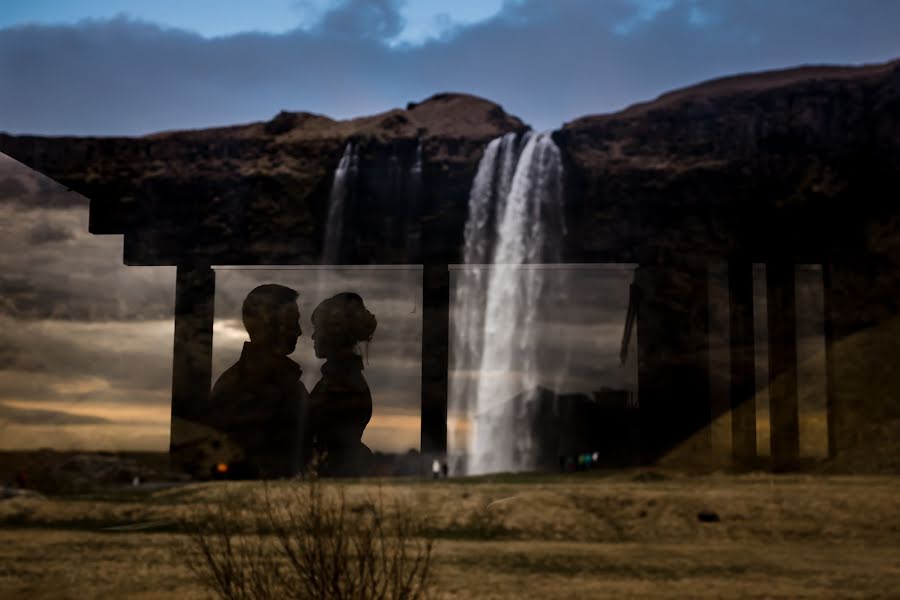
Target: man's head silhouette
272	318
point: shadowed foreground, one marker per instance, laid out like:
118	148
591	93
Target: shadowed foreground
586	536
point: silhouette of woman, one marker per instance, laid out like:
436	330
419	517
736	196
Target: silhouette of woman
341	404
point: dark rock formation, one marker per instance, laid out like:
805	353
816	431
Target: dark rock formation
799	163
258	193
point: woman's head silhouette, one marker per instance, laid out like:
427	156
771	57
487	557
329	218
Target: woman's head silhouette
340	324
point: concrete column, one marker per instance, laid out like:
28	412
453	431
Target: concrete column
862	325
784	418
830	390
743	365
195	290
435	357
673	363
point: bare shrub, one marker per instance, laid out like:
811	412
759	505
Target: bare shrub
307	540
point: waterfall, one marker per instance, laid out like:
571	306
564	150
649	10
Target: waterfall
416	169
340	187
515	218
413	205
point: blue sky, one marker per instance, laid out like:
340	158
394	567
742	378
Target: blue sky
423	19
111	67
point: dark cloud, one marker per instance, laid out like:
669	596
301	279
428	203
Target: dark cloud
19	295
75	296
363	19
82	279
48	233
11	188
24	187
37	416
15	357
128	363
546	62
50	194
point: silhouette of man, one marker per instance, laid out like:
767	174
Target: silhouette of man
260	402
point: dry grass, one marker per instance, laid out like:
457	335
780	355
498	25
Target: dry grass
578	536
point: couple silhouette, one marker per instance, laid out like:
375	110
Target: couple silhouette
264	409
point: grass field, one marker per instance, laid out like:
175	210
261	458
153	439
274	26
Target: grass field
585	535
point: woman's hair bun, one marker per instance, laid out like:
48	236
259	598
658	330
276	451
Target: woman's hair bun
365	325
346	312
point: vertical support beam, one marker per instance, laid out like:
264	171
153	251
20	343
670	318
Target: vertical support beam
673	363
435	357
784	418
830	389
195	290
743	364
862	324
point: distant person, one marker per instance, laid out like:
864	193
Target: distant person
341	402
445	470
260	402
436	469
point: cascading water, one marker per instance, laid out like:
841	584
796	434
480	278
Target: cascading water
515	221
340	186
416	169
413	199
398	182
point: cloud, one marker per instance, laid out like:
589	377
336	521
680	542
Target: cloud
15	358
51	267
392	432
363	19
23	187
546	62
37	416
47	193
85	437
81	387
48	233
11	188
116	362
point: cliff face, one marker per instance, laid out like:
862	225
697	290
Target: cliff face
798	164
259	192
801	163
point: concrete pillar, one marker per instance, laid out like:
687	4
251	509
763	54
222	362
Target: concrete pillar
830	389
673	363
743	364
784	421
435	357
862	328
195	290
